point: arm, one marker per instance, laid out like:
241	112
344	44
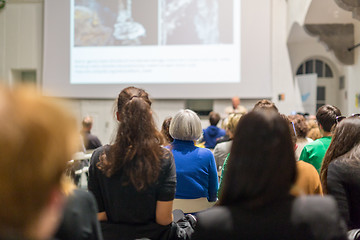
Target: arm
304	155
93	184
336	188
166	191
213	180
164	212
223	170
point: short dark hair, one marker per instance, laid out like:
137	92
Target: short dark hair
326	116
262	147
265	104
214	118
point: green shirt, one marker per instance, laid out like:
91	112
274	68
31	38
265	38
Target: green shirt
223	170
314	152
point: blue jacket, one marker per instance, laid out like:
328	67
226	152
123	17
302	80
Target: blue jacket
210	135
195	171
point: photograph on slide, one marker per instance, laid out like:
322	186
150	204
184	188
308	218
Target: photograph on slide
152	22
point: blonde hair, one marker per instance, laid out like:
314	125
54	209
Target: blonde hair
233	120
37	139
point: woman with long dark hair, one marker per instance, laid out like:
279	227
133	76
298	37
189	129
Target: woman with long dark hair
340	171
255	202
134	179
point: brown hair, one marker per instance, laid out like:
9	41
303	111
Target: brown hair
265	104
214	118
346	136
262	145
137	149
300	125
37	139
326	116
165	130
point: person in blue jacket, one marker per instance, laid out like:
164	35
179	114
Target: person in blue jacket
212	133
195	167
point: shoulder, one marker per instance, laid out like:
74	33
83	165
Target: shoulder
97	153
83	197
314	209
304	166
204	152
343	166
315	213
167	157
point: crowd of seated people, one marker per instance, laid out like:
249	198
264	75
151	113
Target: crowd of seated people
134	181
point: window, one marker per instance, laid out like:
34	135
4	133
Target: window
317	66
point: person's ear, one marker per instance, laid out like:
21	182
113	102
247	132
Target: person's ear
118	116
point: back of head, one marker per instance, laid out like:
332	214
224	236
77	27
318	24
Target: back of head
232	122
346	136
137	148
87	122
265	104
165	129
185	125
127	93
262	148
326	116
214	118
300	125
37	140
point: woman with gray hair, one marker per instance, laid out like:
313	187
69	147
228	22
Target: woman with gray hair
195	167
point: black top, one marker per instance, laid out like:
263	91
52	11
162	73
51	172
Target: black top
343	182
90	141
124	204
80	218
301	218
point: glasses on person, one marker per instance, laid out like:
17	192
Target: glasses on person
340	118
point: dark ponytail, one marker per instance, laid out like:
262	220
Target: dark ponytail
137	149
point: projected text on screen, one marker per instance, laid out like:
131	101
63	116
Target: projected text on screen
155	41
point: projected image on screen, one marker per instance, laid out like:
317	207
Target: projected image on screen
115	22
155	41
196	22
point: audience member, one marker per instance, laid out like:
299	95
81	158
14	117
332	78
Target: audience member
301	130
90	141
134	179
195	167
165	131
261	105
212	133
255	201
314	131
222	149
307	180
80	215
314	152
340	172
236	107
265	104
33	158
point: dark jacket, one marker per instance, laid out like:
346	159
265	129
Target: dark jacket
293	218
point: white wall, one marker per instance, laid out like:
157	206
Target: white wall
282	76
352	74
20	38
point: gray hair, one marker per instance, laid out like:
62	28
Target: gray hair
185	125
